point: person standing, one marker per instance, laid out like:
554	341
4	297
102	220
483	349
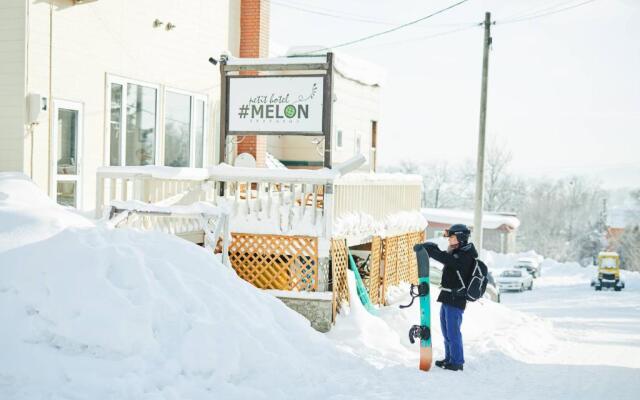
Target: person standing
458	261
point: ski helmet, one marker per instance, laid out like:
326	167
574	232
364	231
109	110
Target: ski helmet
461	231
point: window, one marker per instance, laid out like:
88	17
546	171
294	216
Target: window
141	125
66	150
177	129
358	143
184	130
135	126
133	121
115	124
199	129
339	138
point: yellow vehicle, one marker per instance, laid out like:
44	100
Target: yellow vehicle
608	272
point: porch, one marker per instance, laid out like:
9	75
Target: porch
290	229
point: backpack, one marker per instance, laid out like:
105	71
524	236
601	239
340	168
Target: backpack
476	286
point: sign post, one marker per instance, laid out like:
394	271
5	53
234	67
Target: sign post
296	101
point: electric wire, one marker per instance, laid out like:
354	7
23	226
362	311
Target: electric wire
362	39
544	14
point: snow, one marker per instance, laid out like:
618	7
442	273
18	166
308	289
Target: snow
350	67
91	312
225	172
272	162
198	207
360	225
309	59
489	220
324	296
27	215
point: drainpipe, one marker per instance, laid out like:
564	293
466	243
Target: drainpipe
51	189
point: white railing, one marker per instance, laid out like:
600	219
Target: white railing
259	200
213	222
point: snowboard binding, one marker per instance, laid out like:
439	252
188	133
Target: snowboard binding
417	291
419	332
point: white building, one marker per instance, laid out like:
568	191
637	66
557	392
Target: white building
89	83
92	83
499	230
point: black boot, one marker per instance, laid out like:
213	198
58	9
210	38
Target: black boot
453	367
441	363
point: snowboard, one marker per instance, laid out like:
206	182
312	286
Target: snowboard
421	291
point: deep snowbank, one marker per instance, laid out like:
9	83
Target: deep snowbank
90	312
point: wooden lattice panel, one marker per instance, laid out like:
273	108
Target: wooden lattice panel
339	265
375	281
400	264
276	262
390	254
404	273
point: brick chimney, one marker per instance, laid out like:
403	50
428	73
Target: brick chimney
254	43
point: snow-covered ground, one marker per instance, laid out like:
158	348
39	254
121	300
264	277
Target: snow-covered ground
93	312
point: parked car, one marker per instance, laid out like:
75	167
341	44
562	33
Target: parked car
531	265
515	279
493	291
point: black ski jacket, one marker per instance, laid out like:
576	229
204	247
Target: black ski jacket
461	259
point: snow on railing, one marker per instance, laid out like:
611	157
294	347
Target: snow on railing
177	220
261	200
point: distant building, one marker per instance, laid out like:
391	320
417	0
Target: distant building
498	233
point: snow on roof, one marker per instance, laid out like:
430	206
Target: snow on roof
309	59
489	220
352	68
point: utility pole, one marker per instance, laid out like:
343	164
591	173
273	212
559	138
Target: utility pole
477	217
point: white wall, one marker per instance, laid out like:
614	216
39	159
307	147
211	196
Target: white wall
12	84
117	37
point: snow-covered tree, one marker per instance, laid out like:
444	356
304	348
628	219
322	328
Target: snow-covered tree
629	248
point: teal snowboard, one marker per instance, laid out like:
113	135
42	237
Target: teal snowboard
421	291
361	289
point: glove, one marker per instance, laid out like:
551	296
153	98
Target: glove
417	246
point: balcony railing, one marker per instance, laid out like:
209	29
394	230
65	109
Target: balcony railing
260	200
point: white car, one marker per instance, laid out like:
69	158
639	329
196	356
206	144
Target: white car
514	279
531	265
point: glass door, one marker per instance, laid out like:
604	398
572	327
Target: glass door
66	151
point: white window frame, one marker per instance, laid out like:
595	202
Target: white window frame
159	143
160	120
192	131
54	177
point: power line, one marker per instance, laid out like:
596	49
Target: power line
340	14
331	13
535	9
432	36
362	39
536	16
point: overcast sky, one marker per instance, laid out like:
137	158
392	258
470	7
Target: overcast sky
564	90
